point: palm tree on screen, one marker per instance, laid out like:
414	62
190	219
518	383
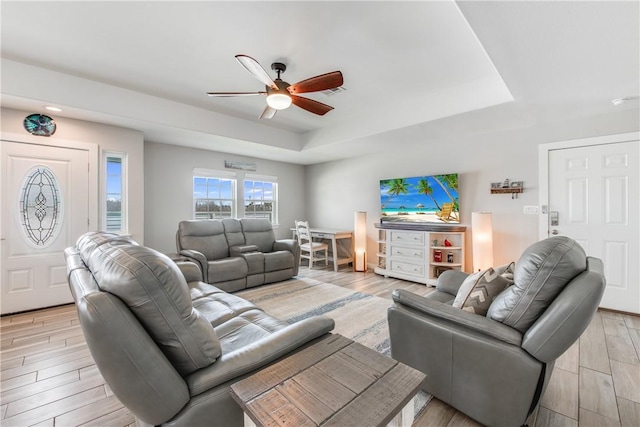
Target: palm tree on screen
396	186
425	188
447	182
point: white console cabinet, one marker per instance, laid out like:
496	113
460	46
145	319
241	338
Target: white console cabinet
419	253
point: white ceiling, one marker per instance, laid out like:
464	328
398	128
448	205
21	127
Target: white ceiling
148	66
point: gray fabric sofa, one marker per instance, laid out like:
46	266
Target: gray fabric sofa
167	344
495	368
236	254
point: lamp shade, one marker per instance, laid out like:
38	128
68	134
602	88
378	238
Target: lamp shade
360	241
279	101
482	240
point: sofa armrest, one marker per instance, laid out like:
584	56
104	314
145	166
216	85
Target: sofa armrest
239	250
258	354
458	317
198	258
285	245
190	270
292	246
450	281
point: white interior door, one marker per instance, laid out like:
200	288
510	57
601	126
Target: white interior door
45	208
593	198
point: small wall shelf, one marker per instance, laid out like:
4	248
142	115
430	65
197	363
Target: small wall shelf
506	190
506	187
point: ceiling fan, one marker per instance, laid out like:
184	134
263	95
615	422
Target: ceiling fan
280	94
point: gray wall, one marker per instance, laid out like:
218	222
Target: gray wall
169	189
335	190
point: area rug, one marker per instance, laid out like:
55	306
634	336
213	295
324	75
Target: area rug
358	316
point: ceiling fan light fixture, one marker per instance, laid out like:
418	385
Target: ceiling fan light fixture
278	101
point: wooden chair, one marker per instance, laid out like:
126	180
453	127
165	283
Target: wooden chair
446	214
307	245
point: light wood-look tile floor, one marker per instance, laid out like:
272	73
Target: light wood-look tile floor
48	377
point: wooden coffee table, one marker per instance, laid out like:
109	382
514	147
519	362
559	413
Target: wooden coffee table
333	382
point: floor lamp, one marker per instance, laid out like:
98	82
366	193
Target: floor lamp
360	241
482	240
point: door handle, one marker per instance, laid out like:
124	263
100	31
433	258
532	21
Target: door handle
554	232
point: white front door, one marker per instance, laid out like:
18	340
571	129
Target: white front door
45	208
594	194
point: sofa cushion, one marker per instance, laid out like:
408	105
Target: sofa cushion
155	291
280	260
478	291
259	232
227	269
247	328
218	306
88	242
541	273
233	232
204	236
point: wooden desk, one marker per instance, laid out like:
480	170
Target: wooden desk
334	382
334	236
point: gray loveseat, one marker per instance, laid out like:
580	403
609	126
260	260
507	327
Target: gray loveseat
167	344
495	368
236	254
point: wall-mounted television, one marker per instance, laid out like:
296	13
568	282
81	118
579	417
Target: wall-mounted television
432	198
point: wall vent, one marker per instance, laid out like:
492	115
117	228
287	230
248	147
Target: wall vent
331	92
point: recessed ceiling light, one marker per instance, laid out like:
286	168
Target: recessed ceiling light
53	109
620	101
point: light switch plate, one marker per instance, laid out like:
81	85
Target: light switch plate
530	210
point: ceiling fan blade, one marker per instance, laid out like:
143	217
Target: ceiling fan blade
256	70
317	83
268	113
235	93
310	105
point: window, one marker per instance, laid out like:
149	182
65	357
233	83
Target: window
261	197
213	196
114	218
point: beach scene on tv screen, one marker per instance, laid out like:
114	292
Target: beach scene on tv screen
431	198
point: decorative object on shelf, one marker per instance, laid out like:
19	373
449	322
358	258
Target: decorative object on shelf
447	243
450	257
243	166
437	256
482	240
507	187
39	125
360	241
440	269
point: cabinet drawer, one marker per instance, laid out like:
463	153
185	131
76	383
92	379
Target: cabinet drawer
404	237
407	268
408	252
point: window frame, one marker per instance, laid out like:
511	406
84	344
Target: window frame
263	179
215	174
124	210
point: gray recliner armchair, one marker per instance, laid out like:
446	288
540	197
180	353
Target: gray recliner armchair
495	368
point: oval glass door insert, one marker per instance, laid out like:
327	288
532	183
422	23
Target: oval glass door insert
40	206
